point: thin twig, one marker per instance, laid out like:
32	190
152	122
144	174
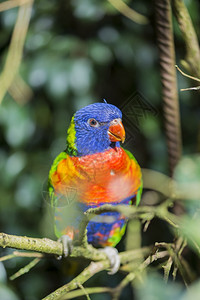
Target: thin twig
87	273
150	259
15	52
191	77
22	254
93	290
84	291
167	268
25	269
175	251
186	75
128	12
142	212
28	254
7	257
94	268
195	88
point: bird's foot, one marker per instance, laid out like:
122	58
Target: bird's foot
114	259
67	245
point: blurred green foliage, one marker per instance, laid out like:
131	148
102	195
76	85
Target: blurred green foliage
187	175
76	53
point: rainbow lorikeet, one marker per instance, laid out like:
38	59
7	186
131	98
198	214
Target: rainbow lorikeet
94	170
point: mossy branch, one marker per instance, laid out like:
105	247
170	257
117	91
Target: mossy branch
94	268
192	58
47	246
145	213
27	243
99	259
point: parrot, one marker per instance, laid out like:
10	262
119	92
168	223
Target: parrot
92	171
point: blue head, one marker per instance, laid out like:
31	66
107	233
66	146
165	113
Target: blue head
95	128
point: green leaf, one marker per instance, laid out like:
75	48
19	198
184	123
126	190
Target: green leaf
187	175
6	293
154	288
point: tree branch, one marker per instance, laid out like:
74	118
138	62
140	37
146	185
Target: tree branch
129	12
99	259
21	254
15	52
192	59
97	267
11	4
48	246
143	212
25	269
92	290
27	243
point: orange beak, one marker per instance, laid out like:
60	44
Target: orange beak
116	131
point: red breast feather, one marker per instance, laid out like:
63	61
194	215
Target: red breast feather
106	177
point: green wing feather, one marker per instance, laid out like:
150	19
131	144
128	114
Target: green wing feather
139	193
60	157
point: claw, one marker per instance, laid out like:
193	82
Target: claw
67	245
113	257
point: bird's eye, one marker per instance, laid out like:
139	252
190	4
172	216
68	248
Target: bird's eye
93	123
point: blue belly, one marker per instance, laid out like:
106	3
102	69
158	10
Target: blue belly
102	227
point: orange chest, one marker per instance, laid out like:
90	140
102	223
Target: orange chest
105	177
